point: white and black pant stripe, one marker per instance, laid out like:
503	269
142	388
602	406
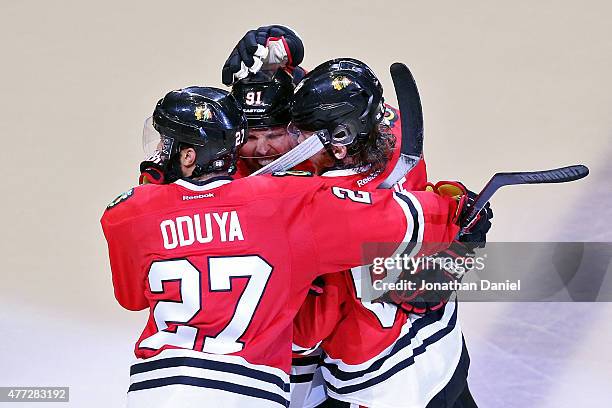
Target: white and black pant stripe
428	344
303	368
225	373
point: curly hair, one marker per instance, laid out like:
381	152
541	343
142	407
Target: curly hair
372	154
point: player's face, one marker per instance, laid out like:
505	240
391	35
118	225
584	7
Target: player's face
266	145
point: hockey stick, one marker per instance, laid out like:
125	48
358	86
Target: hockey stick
499	180
293	157
411	119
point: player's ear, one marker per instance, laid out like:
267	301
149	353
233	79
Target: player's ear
339	152
188	157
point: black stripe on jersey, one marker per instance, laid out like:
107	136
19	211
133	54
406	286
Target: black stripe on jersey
415	222
209	365
398	367
400	344
301	378
305	361
208	383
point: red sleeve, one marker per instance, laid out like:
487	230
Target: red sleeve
128	276
343	220
319	314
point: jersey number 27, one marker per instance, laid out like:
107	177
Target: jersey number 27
221	270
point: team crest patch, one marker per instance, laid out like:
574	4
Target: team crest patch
203	113
120	198
390	117
340	82
296	173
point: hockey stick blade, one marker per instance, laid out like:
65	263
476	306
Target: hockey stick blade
411	111
411	119
499	180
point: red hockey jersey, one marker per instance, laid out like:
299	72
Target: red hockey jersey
372	349
224	266
338	313
319	315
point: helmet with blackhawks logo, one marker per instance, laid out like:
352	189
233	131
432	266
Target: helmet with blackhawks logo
209	120
341	98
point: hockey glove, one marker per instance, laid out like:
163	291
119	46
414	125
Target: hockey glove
266	47
428	286
475	235
151	173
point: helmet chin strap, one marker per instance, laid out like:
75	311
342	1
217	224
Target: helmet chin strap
272	156
226	163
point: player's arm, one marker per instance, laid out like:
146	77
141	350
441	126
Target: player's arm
266	47
447	266
128	281
320	312
343	220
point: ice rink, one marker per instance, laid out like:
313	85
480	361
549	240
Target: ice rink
505	86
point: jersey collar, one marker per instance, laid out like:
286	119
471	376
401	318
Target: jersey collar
341	172
196	185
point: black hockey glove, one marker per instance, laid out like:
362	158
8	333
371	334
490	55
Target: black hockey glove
475	235
267	47
429	286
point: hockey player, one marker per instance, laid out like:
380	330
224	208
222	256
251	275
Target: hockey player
265	97
373	350
370	167
223	265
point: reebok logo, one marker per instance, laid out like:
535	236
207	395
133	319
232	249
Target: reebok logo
197	197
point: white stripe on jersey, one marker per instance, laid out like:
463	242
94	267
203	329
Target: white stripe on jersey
303	350
185	378
204	187
307	384
409	372
420	223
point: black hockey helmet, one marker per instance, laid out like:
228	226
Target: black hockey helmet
208	119
342	99
265	98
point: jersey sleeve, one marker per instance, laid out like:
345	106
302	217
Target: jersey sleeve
320	313
128	278
344	220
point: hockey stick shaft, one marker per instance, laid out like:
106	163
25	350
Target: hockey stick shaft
499	180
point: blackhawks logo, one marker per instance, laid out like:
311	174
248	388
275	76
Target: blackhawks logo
340	82
203	113
121	198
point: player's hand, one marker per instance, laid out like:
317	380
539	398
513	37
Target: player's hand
265	47
317	286
440	271
475	234
151	173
